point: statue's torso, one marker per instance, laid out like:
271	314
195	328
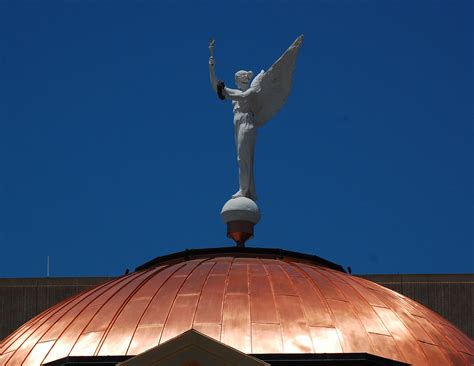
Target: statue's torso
243	116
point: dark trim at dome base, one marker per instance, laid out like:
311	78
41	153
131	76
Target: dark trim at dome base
88	360
289	359
248	252
332	359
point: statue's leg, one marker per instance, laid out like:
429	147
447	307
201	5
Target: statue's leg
237	146
245	154
252	194
240	192
243	168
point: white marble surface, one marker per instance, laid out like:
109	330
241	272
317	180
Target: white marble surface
253	105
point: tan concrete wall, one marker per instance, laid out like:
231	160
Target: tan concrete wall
452	296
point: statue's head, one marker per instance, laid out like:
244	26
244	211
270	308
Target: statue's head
243	78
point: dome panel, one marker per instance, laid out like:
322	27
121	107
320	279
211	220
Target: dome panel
257	305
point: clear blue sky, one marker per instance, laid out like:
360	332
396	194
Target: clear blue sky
114	149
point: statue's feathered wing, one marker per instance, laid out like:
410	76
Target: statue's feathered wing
273	86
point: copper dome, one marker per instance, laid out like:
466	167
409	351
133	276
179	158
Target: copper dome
256	304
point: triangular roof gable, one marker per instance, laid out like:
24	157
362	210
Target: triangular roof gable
193	348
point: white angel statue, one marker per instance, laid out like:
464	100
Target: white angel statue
254	104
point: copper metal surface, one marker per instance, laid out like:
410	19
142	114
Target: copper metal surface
258	305
240	231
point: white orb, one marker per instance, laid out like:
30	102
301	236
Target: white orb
240	208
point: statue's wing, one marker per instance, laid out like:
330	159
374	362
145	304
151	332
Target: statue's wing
273	86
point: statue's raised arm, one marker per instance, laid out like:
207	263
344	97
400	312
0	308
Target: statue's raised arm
212	65
272	87
217	85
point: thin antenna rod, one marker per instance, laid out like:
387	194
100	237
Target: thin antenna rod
47	268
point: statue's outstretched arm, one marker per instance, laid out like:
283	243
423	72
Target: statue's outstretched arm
235	94
212	73
212	65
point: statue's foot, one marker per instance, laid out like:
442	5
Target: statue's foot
238	194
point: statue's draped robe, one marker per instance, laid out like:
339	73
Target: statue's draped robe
245	133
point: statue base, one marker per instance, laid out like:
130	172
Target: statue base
240	214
